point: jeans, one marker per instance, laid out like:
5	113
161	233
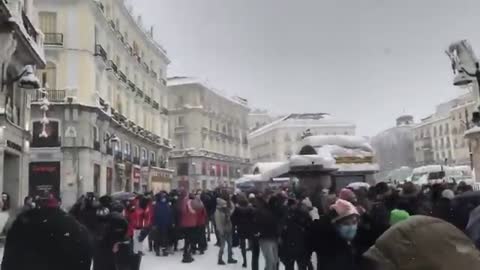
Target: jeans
225	238
269	249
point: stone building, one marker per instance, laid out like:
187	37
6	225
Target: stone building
278	140
21	52
105	81
394	146
210	131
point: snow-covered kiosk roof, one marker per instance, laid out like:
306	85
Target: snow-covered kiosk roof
344	152
270	170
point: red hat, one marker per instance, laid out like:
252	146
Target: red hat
343	209
347	195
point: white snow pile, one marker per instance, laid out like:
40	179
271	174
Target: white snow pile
346	141
247	178
357	167
262	167
472	131
275	170
429	168
29	76
339	151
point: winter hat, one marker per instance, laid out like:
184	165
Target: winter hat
251	196
448	194
398	215
343	209
347	195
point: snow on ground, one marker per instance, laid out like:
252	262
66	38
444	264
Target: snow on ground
206	261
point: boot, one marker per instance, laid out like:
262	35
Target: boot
187	259
220	261
232	261
244	265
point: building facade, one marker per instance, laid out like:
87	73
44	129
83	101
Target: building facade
258	118
278	140
394	147
21	52
439	138
209	131
105	81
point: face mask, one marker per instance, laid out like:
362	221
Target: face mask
347	232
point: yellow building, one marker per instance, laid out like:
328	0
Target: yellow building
102	61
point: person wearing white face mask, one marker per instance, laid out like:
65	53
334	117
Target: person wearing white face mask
334	238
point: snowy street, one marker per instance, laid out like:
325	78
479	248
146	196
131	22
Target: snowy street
206	261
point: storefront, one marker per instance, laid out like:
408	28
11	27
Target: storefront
44	178
161	180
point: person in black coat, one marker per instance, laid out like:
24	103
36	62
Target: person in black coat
242	221
294	247
335	237
47	238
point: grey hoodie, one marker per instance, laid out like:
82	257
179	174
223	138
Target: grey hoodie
222	217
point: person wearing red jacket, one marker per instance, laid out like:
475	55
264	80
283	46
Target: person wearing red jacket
135	218
188	223
201	218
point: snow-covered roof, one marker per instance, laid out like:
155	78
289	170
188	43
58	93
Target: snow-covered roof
305	121
262	167
345	141
276	170
185	80
429	168
249	178
471	131
358	185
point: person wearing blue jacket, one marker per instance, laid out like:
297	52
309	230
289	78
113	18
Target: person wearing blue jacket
162	222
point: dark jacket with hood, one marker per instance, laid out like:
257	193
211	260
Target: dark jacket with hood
424	243
295	233
162	217
242	219
47	239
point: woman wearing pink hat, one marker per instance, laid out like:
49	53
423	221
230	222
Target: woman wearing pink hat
335	235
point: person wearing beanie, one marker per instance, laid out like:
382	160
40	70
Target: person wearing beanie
348	195
47	239
398	215
338	247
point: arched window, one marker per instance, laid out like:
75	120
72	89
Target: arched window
96	138
136	155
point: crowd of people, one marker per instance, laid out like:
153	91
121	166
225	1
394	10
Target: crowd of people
383	227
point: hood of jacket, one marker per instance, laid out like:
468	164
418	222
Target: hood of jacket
473	226
423	243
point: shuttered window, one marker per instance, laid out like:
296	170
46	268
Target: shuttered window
48	22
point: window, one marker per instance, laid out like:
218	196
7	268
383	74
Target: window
440	130
136	155
96	139
108	143
128	149
180	121
48	23
46	137
48	76
446	128
153	159
144	157
435	131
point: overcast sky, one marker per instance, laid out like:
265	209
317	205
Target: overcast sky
367	61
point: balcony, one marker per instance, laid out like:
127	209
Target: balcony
153	163
27	24
139	93
53	95
145	66
164	111
148	100
128	157
101	6
136	160
112	24
166	142
113	66
180	129
100	51
53	39
131	85
155	105
118	156
122	76
145	163
96	146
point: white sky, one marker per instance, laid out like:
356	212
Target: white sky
366	61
